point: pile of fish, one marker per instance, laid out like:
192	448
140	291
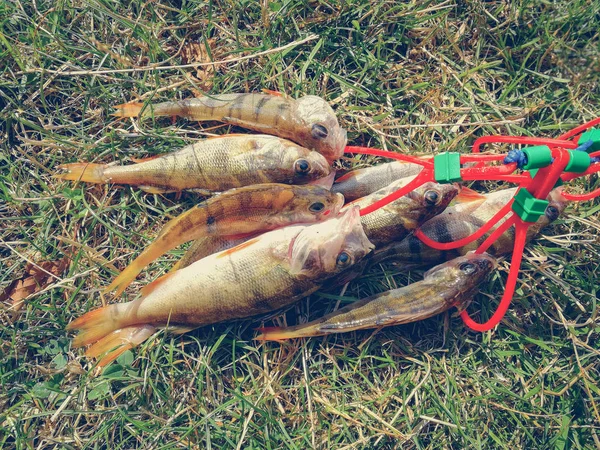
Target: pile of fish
275	229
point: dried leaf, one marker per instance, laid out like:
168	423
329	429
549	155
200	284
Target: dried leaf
35	278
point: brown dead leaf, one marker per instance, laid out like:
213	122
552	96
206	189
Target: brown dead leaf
195	52
35	278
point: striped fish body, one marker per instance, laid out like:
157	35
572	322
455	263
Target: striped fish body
205	246
258	276
309	120
456	223
215	165
451	284
396	220
362	182
246	210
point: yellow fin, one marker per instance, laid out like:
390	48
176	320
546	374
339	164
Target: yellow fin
93	325
274	93
236	248
131	109
111	346
87	172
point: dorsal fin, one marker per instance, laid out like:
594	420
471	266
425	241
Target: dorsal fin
346	176
141	160
237	248
275	93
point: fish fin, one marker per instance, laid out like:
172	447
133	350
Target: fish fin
275	93
93	325
155	190
203	192
111	346
179	329
154	251
130	109
278	334
324	182
146	290
175	267
467	195
221	136
345	177
236	248
235	237
141	160
87	172
246	124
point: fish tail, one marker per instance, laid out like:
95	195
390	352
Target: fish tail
130	109
114	344
135	109
95	325
87	172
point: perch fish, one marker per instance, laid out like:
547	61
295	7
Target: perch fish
241	211
462	220
309	120
213	165
453	283
258	276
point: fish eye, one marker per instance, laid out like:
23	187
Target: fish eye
552	213
468	268
432	197
302	166
343	259
316	207
319	131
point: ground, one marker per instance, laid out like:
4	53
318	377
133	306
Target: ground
417	77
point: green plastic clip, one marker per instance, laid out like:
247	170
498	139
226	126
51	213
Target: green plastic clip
593	134
446	167
527	207
537	157
578	161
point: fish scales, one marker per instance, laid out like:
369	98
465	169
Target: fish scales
215	164
240	211
397	219
459	221
451	284
258	276
308	120
362	182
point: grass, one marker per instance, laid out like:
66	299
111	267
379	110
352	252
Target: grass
418	77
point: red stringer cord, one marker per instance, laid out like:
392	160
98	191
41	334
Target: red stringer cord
547	178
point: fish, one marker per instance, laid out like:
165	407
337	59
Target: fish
453	283
258	276
362	182
462	220
388	224
399	218
310	121
235	213
207	245
212	165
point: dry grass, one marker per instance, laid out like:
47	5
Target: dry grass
418	77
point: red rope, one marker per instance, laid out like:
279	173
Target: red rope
511	282
580	129
467	240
